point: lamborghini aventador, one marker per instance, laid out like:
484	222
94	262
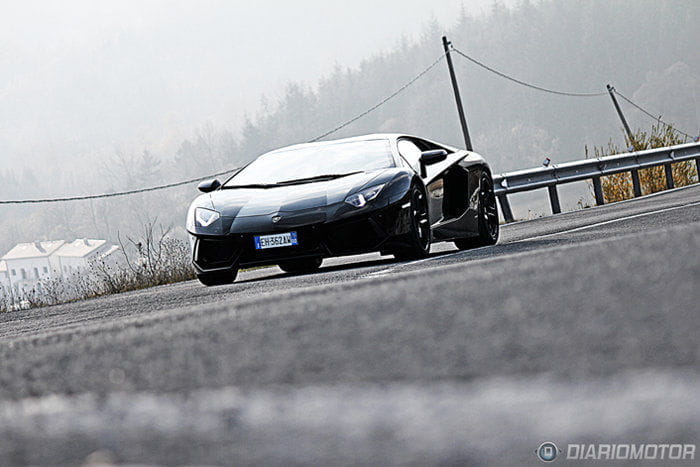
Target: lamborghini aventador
295	206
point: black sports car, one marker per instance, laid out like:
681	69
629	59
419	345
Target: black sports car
297	205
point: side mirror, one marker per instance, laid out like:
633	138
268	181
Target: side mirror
431	157
208	185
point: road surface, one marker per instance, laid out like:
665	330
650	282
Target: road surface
576	328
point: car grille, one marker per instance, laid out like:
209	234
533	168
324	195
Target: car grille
350	236
212	254
353	235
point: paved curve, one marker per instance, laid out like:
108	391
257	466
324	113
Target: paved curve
580	327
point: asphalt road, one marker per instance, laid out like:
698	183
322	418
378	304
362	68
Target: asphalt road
576	328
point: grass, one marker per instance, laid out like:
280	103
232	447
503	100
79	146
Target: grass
153	258
619	187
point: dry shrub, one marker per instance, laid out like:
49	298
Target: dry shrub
619	187
152	258
160	259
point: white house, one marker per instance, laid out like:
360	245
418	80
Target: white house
28	264
4	280
78	255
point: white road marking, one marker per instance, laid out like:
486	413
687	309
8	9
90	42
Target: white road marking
611	221
616	203
386	271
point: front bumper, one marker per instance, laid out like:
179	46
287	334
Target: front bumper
381	229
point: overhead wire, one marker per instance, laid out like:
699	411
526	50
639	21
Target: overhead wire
382	102
649	114
117	193
349	122
192	180
523	83
572	94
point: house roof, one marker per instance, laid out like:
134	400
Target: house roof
33	250
81	247
109	251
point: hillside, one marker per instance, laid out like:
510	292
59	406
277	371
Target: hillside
645	48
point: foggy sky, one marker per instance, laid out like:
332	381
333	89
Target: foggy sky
81	78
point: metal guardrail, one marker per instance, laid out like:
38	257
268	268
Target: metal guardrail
591	169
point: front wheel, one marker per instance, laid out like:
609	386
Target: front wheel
488	217
418	242
300	266
211	279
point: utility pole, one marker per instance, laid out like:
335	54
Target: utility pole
458	99
636	185
611	91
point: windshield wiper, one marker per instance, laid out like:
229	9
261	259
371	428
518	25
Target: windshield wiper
292	182
252	185
317	178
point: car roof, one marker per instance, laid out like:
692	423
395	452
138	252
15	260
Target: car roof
369	137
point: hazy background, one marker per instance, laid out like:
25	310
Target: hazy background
81	78
102	96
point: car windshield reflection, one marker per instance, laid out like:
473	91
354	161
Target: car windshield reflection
315	163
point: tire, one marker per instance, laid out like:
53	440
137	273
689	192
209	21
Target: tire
211	279
488	217
300	266
419	237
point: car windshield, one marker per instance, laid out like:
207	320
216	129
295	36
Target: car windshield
314	162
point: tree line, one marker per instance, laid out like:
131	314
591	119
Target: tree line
643	47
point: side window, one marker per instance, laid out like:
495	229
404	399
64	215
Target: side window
411	153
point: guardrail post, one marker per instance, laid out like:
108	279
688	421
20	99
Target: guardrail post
505	208
669	176
554	199
598	192
636	184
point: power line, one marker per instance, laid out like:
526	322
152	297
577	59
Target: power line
382	102
118	193
192	180
571	94
523	83
658	119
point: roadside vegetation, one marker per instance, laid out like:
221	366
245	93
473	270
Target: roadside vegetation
154	257
618	187
512	126
572	45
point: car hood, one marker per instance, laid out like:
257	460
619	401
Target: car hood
253	209
244	202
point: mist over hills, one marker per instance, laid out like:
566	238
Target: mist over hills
79	79
646	49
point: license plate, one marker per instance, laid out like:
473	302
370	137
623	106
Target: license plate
275	240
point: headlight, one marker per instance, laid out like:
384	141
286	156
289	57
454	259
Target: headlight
201	217
361	198
205	217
